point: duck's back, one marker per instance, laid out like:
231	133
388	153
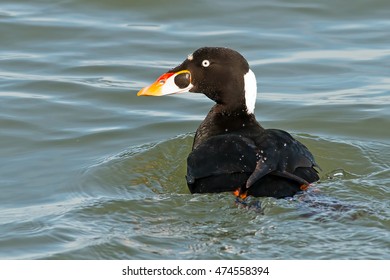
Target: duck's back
230	156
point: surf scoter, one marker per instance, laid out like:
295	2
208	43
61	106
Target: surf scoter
231	150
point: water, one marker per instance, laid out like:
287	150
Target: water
90	171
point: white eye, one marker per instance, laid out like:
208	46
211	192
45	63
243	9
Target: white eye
205	63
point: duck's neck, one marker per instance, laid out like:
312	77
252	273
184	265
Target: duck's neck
239	96
235	114
219	121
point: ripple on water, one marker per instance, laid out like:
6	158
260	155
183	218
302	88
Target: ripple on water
77	184
137	203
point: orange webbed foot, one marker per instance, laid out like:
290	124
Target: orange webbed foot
240	194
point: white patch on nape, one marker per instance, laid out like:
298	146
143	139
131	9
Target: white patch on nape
250	88
190	57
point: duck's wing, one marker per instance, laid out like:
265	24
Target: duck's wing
283	156
293	153
227	162
221	155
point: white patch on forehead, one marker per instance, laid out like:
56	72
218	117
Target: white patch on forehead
190	57
250	87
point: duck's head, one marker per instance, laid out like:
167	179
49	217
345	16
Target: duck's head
221	74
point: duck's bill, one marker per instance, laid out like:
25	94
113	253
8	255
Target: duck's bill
169	83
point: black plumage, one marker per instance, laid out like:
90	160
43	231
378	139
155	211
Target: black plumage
231	150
